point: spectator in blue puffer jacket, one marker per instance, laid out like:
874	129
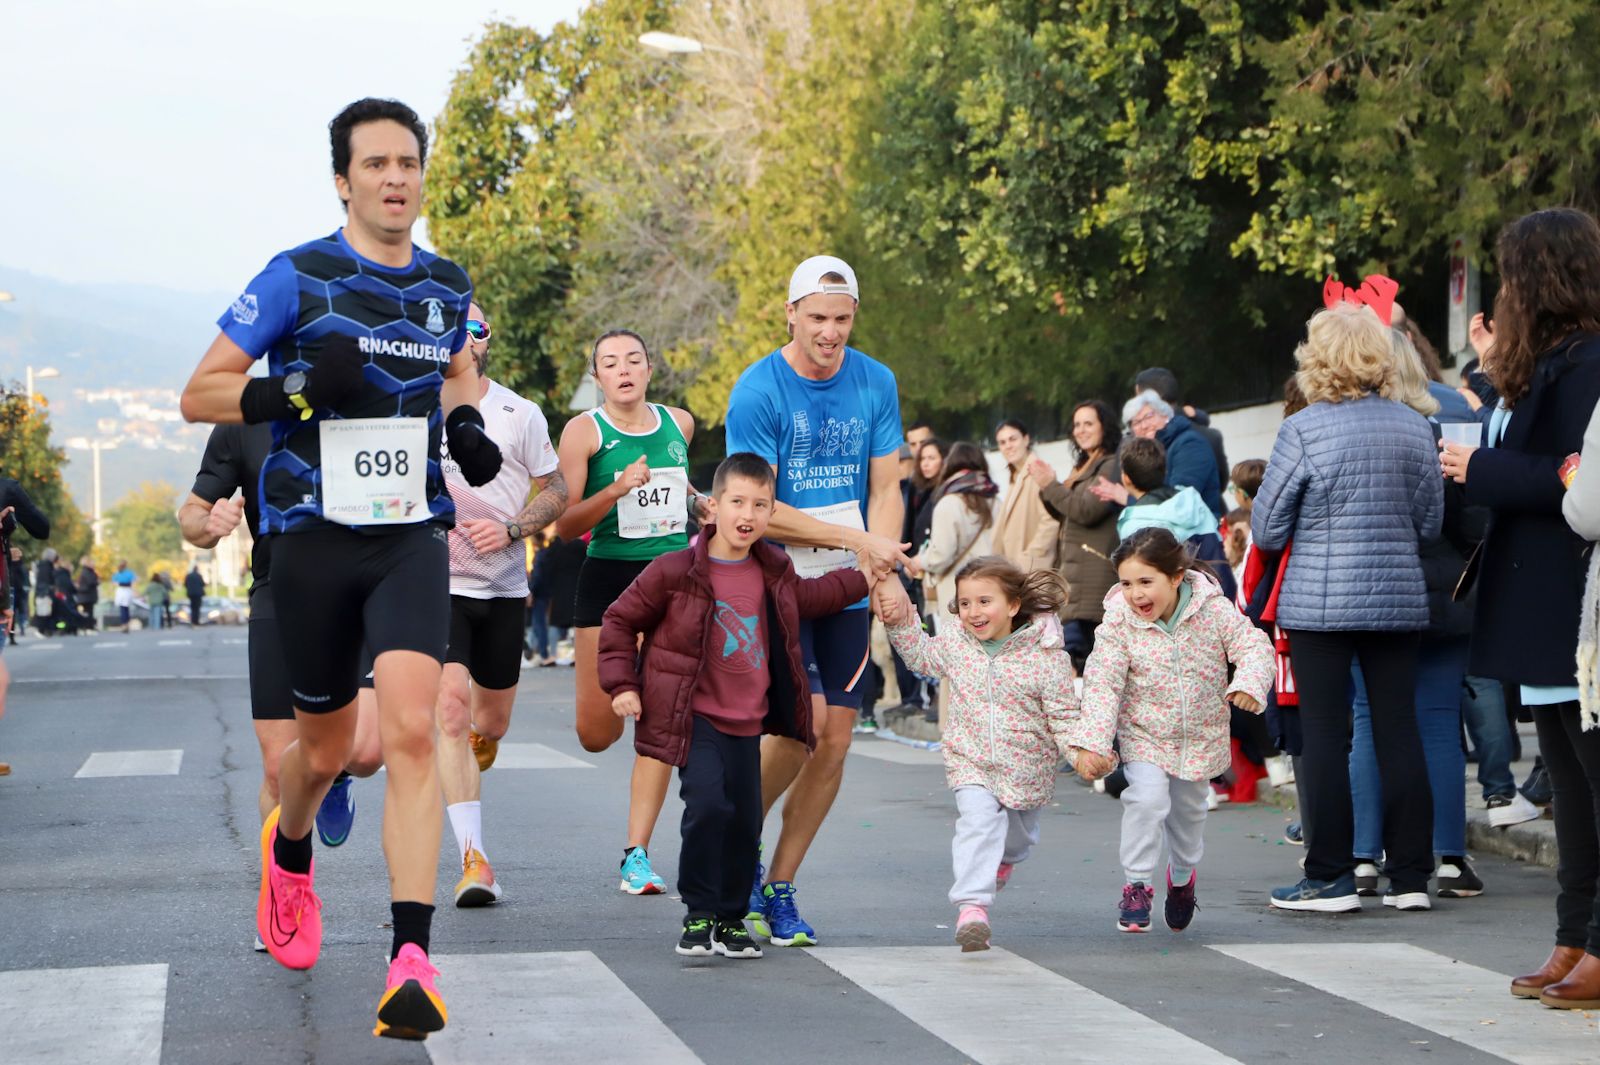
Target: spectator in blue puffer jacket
1354	483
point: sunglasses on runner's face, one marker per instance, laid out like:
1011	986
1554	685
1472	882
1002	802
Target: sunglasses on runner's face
477	330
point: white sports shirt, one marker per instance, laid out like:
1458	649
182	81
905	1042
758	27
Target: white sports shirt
519	428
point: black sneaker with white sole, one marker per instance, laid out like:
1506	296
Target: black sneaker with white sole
1367	876
731	939
1457	880
697	940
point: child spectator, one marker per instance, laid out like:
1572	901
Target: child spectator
720	665
1011	702
1157	681
1181	511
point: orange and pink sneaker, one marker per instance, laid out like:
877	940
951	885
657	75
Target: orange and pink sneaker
288	912
972	929
411	1007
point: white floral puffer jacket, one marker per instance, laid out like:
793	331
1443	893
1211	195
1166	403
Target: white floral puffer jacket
1008	716
1164	695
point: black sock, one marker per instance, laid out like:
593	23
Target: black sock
292	855
344	774
412	923
627	852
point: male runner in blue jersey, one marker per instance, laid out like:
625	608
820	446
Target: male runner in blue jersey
366	339
828	419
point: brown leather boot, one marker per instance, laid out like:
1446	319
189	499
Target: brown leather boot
1580	990
5	769
1553	971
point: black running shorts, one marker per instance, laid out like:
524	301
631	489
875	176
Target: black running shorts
601	582
334	588
486	637
270	697
835	652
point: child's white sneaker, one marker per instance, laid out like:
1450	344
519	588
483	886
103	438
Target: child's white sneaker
972	929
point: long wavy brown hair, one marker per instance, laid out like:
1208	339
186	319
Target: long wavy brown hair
1549	288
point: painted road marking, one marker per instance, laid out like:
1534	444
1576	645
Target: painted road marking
1448	997
131	764
110	1013
174	643
899	753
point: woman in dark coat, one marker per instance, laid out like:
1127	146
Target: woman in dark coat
1545	364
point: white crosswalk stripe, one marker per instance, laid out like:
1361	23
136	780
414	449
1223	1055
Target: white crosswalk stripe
573	1019
175	643
1010	1010
1458	1001
899	753
111	646
131	764
37	646
42	1025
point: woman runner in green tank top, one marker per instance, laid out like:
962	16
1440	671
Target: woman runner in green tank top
627	469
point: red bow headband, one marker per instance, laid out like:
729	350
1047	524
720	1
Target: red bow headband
1376	291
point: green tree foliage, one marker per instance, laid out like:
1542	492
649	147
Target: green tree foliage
143	527
27	455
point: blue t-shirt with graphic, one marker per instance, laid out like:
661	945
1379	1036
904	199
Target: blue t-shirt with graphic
408	322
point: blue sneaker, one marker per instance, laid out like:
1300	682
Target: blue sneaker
1133	912
757	908
637	876
1319	896
786	929
337	813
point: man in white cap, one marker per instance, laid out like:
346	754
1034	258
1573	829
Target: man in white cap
828	419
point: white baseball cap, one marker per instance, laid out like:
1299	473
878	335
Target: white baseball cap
807	279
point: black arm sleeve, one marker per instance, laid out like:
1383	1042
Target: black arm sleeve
27	515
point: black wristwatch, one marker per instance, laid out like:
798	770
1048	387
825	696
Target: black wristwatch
514	530
294	387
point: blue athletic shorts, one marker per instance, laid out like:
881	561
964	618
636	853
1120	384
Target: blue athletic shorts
835	650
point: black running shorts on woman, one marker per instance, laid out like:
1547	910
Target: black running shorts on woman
334	588
486	637
601	582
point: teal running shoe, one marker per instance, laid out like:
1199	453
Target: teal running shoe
637	876
786	929
337	813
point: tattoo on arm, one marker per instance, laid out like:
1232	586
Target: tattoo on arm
547	506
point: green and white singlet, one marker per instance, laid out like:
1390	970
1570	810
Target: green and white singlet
652	519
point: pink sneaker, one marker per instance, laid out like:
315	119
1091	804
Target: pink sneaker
288	912
1002	875
411	1007
972	929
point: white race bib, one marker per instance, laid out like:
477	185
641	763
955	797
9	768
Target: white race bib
659	507
816	561
375	470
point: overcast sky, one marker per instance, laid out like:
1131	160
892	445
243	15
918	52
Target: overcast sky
184	142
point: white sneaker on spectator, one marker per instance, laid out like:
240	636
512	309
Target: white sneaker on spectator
1280	770
1511	810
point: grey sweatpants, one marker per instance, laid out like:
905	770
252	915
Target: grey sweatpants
987	834
1156	806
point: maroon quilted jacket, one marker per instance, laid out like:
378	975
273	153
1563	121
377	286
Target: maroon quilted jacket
672	604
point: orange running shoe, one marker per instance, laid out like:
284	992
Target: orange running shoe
477	886
288	912
411	1007
484	749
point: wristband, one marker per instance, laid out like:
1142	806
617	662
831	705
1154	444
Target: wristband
263	401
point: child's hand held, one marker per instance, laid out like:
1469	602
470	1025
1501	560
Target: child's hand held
1246	702
626	704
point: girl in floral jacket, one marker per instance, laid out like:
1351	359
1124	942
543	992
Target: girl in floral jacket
1158	681
1011	703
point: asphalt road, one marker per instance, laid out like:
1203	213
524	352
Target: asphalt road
127	903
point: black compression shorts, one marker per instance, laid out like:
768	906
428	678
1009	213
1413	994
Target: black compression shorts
835	653
270	697
601	582
334	588
486	637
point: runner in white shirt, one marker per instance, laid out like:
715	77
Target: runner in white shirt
488	595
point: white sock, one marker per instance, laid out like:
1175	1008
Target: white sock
466	819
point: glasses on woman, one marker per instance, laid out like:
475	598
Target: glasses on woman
477	330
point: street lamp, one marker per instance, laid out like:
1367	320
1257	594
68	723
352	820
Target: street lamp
674	44
44	375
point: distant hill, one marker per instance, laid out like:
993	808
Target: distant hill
124	353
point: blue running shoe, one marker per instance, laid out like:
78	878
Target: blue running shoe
785	928
757	915
337	813
638	878
1319	896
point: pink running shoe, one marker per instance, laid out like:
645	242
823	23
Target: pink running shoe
288	912
972	929
1002	875
411	1007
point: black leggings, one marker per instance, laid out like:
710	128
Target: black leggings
1572	758
1322	676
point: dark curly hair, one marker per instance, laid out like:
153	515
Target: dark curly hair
1549	288
1110	426
372	109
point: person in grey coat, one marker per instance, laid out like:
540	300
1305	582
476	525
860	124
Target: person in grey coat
1354	484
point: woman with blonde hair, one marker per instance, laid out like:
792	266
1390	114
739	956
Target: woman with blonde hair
1354	482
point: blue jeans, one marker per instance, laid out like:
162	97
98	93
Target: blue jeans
1441	667
539	623
1483	704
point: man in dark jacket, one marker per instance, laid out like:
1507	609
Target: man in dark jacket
721	665
194	586
1190	460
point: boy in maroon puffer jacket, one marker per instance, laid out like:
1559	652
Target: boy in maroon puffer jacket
720	665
